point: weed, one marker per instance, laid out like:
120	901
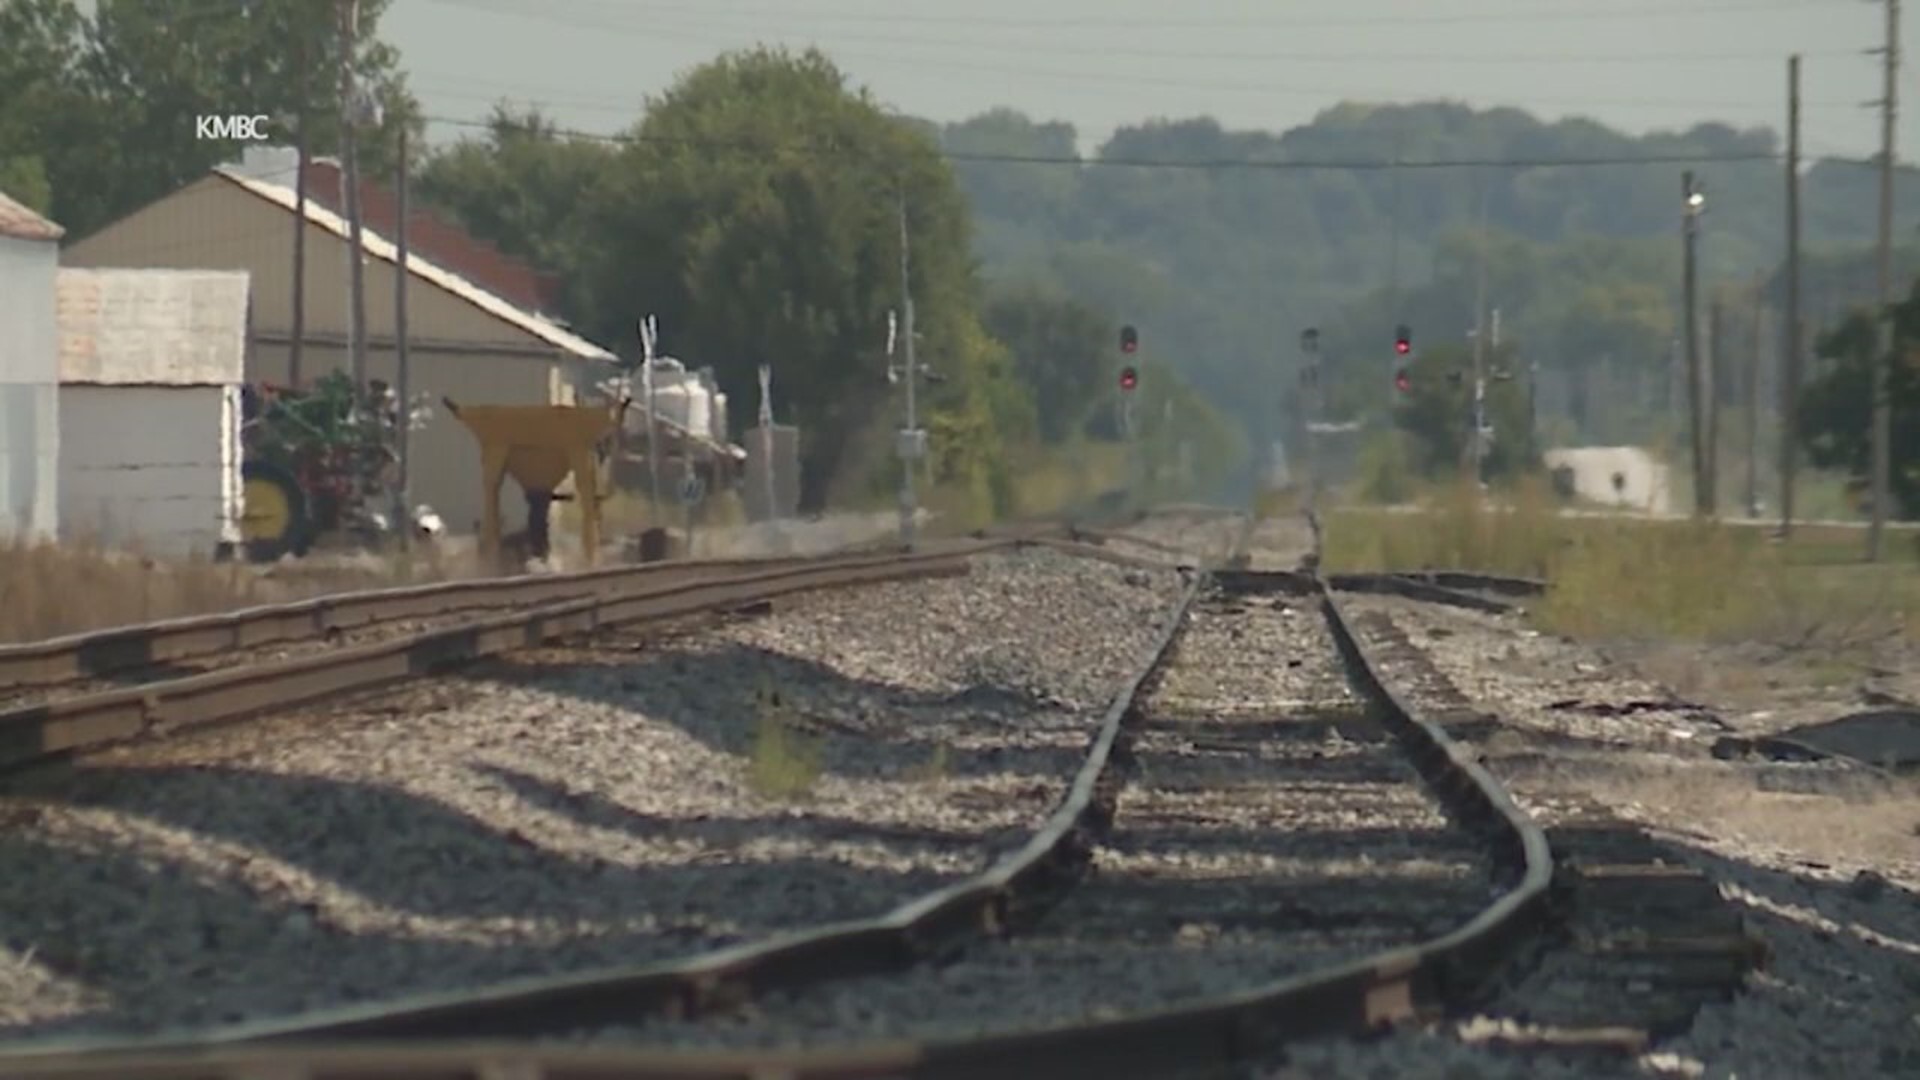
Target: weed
785	762
933	770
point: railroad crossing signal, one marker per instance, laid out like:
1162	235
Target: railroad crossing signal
1402	340
1129	340
1129	378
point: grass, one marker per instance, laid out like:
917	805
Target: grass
48	590
1633	578
784	763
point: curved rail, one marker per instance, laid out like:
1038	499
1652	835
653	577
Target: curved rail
1391	986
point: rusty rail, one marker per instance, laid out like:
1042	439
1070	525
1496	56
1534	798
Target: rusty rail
1454	588
36	732
1392	986
99	653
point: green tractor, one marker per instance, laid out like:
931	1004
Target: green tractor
315	462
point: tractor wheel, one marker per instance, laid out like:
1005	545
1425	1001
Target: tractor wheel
274	519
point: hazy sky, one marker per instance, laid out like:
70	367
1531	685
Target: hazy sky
1635	64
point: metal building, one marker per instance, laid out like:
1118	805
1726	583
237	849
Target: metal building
151	363
29	383
464	341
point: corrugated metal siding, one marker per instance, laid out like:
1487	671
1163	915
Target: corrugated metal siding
147	467
29	393
214	224
152	327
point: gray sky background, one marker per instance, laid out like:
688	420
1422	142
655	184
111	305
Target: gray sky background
1638	65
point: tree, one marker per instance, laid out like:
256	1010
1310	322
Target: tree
755	208
1437	412
1835	422
1063	352
527	190
109	104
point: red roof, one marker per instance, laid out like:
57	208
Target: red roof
438	241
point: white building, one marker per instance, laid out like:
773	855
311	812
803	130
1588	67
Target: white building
151	363
29	384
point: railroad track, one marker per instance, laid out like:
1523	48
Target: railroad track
1204	788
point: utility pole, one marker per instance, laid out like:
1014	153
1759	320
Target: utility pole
1692	203
1474	442
402	381
1790	369
1715	353
294	353
910	445
350	167
1882	408
1393	259
1753	399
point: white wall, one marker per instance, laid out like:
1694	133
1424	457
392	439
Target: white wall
151	467
29	414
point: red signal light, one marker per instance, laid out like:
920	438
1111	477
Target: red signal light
1129	339
1129	378
1402	381
1403	347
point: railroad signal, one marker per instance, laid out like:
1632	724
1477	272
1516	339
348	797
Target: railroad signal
1402	381
1129	340
1129	378
1402	339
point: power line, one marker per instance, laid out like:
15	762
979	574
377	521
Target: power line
651	27
645	12
1196	165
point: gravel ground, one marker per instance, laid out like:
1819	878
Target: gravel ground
1271	828
566	808
1820	859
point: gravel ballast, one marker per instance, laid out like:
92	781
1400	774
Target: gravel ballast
566	808
1270	828
1819	859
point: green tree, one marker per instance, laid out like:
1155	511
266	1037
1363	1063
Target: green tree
110	101
1437	411
756	209
1835	417
1062	352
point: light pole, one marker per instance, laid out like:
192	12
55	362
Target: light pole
1310	388
1694	203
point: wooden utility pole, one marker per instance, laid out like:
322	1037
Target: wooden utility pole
1753	398
1882	408
1790	350
294	356
350	182
1690	304
1712	362
402	382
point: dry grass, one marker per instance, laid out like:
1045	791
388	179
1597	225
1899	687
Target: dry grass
48	590
1629	578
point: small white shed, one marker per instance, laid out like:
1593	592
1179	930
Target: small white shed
29	387
151	365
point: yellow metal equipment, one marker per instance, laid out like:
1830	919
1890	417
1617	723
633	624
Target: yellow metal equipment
539	446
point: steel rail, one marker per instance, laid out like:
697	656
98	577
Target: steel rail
31	734
50	662
1460	590
100	653
1388	987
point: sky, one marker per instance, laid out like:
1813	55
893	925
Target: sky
1638	65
